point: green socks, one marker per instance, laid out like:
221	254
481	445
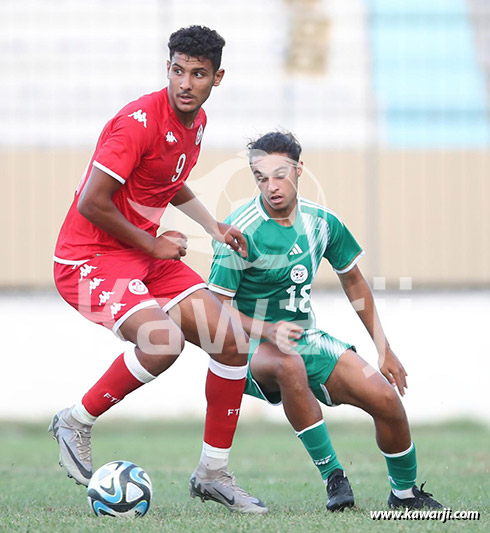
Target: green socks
402	468
316	440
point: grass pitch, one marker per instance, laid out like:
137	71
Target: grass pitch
268	460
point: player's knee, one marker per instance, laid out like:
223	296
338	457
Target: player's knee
163	343
234	351
389	404
291	372
162	353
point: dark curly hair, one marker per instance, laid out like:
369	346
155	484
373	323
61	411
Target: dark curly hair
276	142
198	41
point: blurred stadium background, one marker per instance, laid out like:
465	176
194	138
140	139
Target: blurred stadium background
391	102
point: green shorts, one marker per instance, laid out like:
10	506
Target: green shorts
320	352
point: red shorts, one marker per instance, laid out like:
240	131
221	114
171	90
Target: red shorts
109	288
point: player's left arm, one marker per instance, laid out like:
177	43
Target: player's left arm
187	202
361	297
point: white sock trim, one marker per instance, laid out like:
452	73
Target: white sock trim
399	454
79	413
403	494
135	367
215	453
313	426
228	372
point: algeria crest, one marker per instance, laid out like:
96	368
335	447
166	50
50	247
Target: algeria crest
299	274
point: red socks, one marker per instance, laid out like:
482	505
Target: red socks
125	375
224	391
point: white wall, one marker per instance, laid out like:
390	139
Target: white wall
51	356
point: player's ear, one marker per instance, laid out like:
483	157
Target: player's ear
299	168
168	68
218	76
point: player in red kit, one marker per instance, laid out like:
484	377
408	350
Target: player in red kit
112	267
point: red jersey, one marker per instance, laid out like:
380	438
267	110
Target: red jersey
151	153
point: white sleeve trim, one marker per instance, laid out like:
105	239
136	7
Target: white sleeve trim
352	264
111	173
69	261
220	290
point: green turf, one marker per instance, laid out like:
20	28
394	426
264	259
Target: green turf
268	460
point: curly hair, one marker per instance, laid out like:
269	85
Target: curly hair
276	142
198	41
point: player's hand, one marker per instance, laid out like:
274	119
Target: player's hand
284	335
170	245
230	235
393	370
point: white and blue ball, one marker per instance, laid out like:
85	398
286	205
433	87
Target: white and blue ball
121	489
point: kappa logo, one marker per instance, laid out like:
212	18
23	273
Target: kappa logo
296	250
170	138
139	116
85	270
200	131
299	274
104	297
115	308
137	287
94	283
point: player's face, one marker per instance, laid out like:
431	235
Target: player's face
190	82
277	179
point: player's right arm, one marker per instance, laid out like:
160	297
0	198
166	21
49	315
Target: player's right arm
96	205
283	334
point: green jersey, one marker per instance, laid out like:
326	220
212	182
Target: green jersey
274	282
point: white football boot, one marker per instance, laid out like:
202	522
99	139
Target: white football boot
220	486
74	441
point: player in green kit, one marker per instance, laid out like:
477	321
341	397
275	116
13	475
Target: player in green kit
290	359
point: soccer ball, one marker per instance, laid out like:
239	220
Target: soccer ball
120	488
